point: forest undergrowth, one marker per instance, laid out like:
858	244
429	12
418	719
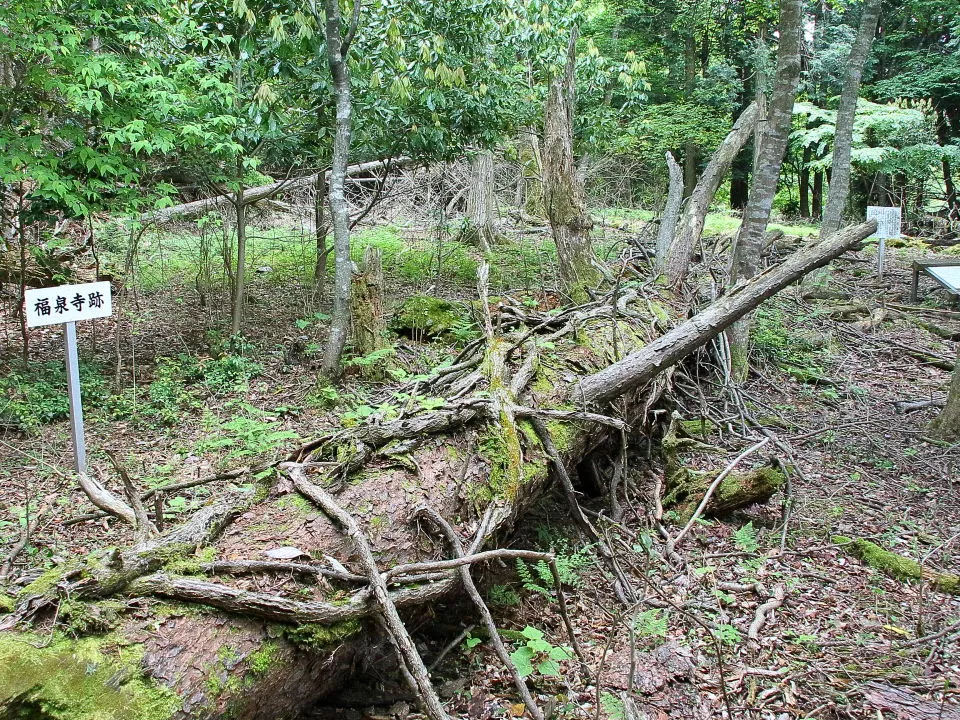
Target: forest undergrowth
765	613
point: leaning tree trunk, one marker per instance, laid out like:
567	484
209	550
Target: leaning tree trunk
695	212
172	629
846	112
563	191
338	46
947	424
745	253
481	208
671	213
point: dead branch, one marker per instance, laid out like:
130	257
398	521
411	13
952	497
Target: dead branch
765	610
640	367
454	541
416	671
106	500
714	485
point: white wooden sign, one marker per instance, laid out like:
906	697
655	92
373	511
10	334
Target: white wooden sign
68	303
888	226
888	221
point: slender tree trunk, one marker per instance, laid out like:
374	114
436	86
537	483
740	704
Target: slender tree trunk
320	230
945	123
690	154
843	138
816	196
563	192
480	200
239	279
337	47
805	182
740	178
695	213
671	212
745	253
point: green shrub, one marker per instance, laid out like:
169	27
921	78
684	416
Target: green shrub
37	396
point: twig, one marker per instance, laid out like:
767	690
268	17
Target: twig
25	534
764	610
403	644
714	485
144	528
454	541
449	647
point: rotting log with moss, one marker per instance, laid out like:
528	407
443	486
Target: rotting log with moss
202	633
686	486
897	566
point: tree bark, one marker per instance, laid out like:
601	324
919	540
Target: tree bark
320	230
562	189
947	424
240	278
369	317
846	112
481	208
745	253
671	213
338	45
695	212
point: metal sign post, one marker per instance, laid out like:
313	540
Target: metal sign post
73	389
888	226
68	304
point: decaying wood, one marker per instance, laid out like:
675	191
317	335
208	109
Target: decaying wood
415	669
671	212
695	214
193	209
642	366
906	704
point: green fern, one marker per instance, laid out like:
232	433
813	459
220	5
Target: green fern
745	538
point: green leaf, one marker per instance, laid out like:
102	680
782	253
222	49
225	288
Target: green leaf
522	658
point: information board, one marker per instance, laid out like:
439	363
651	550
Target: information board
68	303
888	221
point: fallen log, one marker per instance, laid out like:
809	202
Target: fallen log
189	210
642	366
162	640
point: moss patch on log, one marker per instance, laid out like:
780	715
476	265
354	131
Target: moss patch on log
315	637
897	566
86	679
686	488
7	603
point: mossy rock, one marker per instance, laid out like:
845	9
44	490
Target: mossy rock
87	679
897	566
423	316
7	603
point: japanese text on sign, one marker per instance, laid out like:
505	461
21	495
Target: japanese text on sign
68	303
888	221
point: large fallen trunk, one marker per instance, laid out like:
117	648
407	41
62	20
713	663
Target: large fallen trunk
185	211
203	622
